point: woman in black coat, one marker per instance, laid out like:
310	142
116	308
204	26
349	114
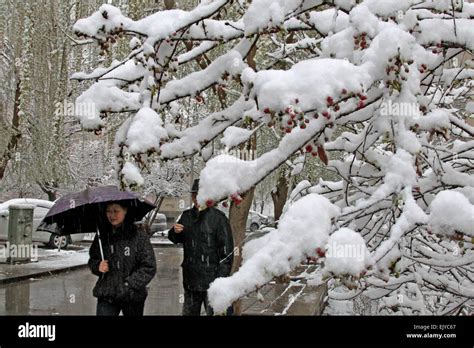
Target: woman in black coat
129	264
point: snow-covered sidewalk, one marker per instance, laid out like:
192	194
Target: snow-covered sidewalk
161	241
287	297
48	261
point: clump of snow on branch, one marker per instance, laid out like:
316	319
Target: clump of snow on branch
346	253
145	131
299	234
234	136
451	211
132	174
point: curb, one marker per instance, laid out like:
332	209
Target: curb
40	274
158	245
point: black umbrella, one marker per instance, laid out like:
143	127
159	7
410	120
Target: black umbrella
83	212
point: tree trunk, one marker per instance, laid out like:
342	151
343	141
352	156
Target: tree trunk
151	217
16	135
52	195
169	4
279	197
238	222
50	190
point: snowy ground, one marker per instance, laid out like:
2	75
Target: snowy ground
40	254
44	260
339	308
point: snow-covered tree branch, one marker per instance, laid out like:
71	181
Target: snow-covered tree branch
386	83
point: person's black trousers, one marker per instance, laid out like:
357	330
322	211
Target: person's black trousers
193	301
113	308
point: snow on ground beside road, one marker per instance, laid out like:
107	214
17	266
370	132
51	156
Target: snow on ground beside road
48	260
338	307
160	240
64	258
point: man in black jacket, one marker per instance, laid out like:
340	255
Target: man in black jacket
208	252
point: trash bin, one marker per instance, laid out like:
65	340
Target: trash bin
20	229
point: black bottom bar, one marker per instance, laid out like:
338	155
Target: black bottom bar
292	331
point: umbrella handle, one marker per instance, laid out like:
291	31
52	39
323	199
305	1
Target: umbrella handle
100	244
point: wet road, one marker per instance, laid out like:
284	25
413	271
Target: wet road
71	293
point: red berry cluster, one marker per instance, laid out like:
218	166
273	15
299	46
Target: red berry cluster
316	150
291	118
362	99
344	95
236	198
312	259
438	49
311	148
199	99
330	103
360	41
320	252
397	71
210	203
331	106
423	68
